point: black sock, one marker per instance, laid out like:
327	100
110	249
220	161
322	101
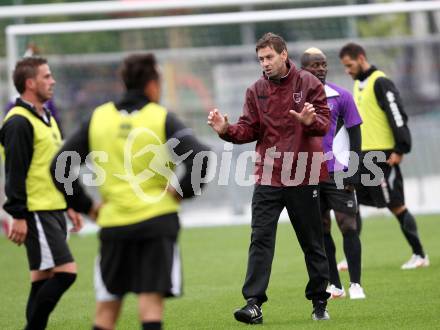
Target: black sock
330	251
409	229
47	298
152	325
35	287
358	223
352	250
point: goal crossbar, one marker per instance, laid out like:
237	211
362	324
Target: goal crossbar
108	7
222	18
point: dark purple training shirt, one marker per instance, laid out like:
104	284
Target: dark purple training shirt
342	107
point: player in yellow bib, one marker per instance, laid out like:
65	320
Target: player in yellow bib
384	129
29	139
137	144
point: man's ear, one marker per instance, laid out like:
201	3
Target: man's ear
147	89
362	59
30	84
152	90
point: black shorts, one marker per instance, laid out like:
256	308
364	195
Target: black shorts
148	265
388	194
45	242
332	198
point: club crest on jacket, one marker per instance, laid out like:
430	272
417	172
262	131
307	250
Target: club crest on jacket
297	97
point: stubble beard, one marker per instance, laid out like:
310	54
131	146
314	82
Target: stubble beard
43	97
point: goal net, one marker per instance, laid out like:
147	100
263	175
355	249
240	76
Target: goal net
207	59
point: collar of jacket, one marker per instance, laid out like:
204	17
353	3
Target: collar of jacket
288	77
19	102
132	100
364	75
330	92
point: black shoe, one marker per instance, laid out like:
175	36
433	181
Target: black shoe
319	312
250	314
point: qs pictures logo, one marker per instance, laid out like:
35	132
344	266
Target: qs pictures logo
160	155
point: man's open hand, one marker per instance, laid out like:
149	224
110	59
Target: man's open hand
307	116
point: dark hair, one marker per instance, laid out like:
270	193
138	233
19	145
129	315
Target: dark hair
138	69
271	40
25	69
352	50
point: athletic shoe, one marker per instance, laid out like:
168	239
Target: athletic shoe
356	291
250	314
416	261
343	266
319	312
336	292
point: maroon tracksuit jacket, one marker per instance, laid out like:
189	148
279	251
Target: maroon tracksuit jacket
266	119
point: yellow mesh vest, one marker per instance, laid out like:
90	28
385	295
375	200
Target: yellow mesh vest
138	169
375	129
41	193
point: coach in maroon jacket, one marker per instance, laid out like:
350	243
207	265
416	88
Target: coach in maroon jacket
286	112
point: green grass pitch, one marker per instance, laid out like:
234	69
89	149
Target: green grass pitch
214	264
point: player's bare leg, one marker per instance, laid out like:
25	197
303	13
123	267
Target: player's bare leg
151	308
106	314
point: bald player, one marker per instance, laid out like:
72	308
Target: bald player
344	135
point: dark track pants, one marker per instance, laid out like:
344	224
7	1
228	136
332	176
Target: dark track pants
302	205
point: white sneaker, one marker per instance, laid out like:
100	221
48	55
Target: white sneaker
336	292
343	266
416	261
356	291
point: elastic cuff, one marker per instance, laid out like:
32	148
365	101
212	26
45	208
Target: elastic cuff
23	215
80	204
